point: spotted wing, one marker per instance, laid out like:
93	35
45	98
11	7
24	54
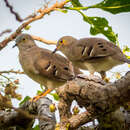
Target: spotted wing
53	66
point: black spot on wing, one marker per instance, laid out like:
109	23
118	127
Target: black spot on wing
83	50
104	49
54	71
48	65
99	43
101	46
66	68
89	50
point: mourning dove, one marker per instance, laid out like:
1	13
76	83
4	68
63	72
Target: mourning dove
92	54
40	65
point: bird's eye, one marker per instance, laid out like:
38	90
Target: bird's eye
23	39
61	41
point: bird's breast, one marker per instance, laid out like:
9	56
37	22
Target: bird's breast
30	70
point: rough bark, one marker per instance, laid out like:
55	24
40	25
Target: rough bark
14	118
24	116
96	96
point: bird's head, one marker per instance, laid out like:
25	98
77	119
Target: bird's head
24	41
64	42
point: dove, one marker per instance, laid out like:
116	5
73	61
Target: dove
92	54
41	66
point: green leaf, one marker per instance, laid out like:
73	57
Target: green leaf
114	6
55	96
36	127
39	92
128	57
24	100
27	27
76	3
100	25
126	49
42	88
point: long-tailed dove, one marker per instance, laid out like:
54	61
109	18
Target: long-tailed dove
92	54
41	65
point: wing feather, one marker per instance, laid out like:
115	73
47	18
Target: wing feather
53	66
96	48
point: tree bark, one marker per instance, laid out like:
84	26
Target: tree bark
24	116
97	97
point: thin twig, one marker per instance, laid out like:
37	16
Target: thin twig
5	77
5	31
11	71
44	40
17	16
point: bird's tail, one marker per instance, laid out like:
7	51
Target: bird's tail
127	61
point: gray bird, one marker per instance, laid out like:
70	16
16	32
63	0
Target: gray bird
92	54
40	65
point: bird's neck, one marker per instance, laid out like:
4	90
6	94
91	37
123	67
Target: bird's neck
72	52
68	52
26	47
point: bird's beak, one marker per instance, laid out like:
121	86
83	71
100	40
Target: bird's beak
14	45
54	51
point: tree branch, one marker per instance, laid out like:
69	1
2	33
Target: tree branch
5	31
14	118
97	97
25	115
17	16
40	14
49	42
11	71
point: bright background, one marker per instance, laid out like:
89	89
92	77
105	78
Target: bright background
52	27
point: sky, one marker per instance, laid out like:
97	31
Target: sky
52	27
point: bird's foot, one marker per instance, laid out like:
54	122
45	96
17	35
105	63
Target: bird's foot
104	77
107	80
34	99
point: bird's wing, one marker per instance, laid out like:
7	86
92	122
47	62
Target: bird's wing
96	48
53	66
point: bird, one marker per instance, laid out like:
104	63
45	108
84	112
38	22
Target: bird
92	54
41	66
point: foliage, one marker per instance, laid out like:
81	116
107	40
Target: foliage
76	3
36	127
114	6
24	100
55	96
8	91
99	25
